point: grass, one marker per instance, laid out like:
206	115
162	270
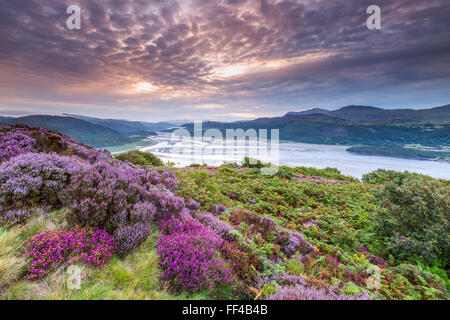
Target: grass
134	277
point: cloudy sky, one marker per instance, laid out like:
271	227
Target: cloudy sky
227	59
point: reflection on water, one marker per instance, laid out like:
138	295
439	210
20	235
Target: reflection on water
293	154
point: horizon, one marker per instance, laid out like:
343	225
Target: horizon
180	121
220	60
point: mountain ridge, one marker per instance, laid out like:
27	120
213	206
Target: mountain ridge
370	113
354	125
83	131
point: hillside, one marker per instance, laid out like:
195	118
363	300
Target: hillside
85	226
126	127
365	113
328	129
83	131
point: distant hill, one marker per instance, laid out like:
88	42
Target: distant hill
365	113
126	127
83	131
309	112
355	125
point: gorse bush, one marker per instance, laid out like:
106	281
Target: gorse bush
188	257
121	199
140	158
415	219
50	250
34	179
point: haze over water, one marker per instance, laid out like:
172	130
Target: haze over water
297	154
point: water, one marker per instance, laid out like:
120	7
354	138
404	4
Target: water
294	154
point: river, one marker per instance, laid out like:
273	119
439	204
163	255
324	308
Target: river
292	154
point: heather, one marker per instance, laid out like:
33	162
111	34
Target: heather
147	231
19	139
188	258
300	292
13	144
327	229
50	250
122	199
31	180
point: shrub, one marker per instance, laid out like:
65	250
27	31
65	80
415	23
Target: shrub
371	258
415	219
383	176
192	204
50	250
33	179
300	292
285	174
121	199
328	173
48	141
13	217
188	257
220	227
253	163
140	158
13	144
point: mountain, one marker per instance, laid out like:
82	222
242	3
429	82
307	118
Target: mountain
355	125
367	113
309	112
126	127
83	131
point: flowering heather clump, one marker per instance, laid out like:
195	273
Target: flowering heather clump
34	179
218	208
188	260
193	205
372	259
290	241
13	144
300	292
220	227
50	250
333	261
164	178
12	217
121	199
35	139
279	279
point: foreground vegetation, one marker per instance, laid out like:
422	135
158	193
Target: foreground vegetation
138	230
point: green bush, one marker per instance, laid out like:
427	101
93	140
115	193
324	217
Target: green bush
253	163
140	158
415	219
382	176
285	174
328	173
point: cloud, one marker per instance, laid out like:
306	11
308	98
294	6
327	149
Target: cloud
269	55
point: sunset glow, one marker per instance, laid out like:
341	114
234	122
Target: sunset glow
150	60
144	87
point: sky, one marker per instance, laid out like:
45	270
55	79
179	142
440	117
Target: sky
160	60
